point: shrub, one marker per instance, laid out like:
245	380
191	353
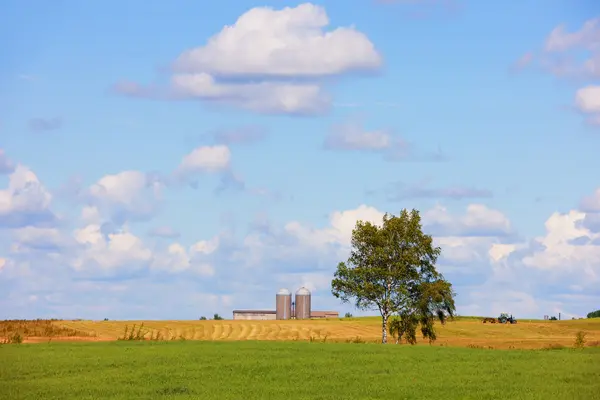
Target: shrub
217	317
203	318
553	318
15	338
357	340
580	339
348	315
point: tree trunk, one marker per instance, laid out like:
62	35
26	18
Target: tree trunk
384	329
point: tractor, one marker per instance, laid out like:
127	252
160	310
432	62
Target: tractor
504	318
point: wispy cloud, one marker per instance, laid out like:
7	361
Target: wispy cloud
401	191
45	124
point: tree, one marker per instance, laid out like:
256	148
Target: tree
217	317
594	314
391	269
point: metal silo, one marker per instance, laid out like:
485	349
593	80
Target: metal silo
283	304
303	303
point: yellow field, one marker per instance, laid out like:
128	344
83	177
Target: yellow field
461	332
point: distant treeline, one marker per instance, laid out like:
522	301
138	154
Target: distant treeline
594	314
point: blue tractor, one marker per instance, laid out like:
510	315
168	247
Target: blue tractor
504	318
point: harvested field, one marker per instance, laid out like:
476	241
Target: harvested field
464	332
286	370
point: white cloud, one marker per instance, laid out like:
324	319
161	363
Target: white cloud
587	100
124	195
588	36
26	201
110	251
479	220
2	263
352	136
288	42
205	159
91	215
265	51
178	259
568	54
561	256
262	97
35	238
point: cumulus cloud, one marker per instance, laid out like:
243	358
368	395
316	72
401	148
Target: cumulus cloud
273	48
25	201
205	159
31	238
559	254
479	220
103	263
587	100
289	42
123	196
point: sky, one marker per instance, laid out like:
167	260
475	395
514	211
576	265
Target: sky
171	160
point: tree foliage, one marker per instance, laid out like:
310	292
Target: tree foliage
391	268
594	314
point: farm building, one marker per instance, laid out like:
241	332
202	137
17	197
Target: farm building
324	314
254	314
286	308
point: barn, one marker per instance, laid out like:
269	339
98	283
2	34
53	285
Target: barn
254	314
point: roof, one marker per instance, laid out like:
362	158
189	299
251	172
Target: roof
254	311
323	313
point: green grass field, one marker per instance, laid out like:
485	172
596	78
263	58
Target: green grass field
246	370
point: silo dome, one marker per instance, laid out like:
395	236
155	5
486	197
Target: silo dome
303	292
283	292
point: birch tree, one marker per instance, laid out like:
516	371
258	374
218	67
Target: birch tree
391	269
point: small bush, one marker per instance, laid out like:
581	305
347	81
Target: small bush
580	339
217	317
553	318
15	338
356	340
348	315
203	318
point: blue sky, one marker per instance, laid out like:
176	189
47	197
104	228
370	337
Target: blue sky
172	160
